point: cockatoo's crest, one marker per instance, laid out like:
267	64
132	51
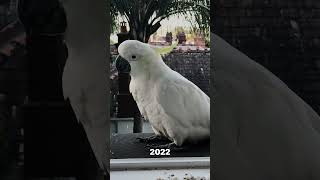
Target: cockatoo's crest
165	50
136	52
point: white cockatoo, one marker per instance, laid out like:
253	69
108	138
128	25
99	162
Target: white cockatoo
85	74
261	129
175	107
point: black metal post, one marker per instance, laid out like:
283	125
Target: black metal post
137	122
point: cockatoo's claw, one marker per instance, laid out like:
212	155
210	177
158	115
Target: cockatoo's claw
172	146
153	138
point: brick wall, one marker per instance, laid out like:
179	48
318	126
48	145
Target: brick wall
193	66
282	35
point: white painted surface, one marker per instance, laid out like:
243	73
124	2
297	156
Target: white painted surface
179	174
125	126
160	163
184	168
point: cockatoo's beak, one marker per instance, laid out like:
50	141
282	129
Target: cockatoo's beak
122	64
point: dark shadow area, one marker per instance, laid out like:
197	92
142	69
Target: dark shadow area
39	134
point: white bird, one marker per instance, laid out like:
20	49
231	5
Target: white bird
262	129
85	74
175	107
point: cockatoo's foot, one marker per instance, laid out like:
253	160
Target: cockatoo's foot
172	146
153	138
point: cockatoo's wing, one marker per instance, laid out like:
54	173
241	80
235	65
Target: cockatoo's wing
85	74
262	129
185	106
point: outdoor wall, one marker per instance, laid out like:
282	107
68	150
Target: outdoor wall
283	36
195	66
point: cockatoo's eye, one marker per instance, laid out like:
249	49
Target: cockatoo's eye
133	57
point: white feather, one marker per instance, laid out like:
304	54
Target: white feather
85	73
262	127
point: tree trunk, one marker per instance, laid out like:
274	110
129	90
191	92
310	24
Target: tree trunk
143	33
137	34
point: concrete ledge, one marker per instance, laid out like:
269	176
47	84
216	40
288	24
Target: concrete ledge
159	163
